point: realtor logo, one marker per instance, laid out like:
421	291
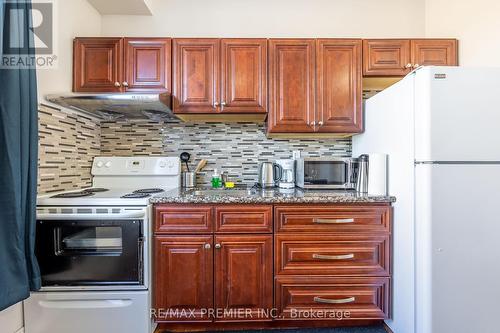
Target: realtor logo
20	36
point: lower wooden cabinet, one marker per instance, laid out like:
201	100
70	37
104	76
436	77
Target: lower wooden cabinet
226	277
322	262
183	277
244	275
317	297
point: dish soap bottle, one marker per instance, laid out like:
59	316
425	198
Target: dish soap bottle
216	180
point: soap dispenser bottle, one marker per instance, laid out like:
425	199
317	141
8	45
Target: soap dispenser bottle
216	179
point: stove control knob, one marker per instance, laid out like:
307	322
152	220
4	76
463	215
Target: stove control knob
170	165
99	164
163	164
107	164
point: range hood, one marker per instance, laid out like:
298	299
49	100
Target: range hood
118	106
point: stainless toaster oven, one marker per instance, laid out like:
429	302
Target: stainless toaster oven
326	173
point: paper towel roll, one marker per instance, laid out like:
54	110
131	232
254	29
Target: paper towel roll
377	174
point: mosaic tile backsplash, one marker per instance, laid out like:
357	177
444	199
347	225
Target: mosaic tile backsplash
69	141
67	145
236	148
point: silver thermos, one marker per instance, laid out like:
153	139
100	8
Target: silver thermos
362	178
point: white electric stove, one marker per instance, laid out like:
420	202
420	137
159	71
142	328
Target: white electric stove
126	181
93	249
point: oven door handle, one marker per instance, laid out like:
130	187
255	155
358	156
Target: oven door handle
129	215
86	303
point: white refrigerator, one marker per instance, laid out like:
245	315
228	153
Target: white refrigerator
441	129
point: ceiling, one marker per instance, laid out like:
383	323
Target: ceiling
122	7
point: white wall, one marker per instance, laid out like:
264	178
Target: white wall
474	23
11	319
74	18
273	18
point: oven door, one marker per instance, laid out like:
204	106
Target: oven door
90	252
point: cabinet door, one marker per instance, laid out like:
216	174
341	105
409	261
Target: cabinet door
244	75
339	85
183	277
386	57
291	85
244	275
147	64
196	75
439	52
97	64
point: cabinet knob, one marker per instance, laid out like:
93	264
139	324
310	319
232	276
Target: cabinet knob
117	84
408	65
218	246
320	123
416	66
125	84
223	103
207	246
216	104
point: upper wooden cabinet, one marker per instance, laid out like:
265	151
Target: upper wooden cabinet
244	75
440	52
315	86
292	85
338	78
397	57
387	57
121	64
196	75
97	64
147	64
220	75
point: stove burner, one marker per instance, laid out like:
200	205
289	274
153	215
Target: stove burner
149	190
135	196
83	193
96	189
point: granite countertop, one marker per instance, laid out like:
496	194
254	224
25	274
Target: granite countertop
252	195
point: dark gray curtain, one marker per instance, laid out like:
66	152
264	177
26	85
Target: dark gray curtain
19	271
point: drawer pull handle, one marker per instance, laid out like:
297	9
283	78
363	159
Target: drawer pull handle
333	220
338	257
334	301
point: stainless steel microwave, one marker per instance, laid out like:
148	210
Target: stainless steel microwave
326	173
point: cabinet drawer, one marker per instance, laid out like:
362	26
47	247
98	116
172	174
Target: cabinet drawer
243	219
176	219
318	298
364	219
332	255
